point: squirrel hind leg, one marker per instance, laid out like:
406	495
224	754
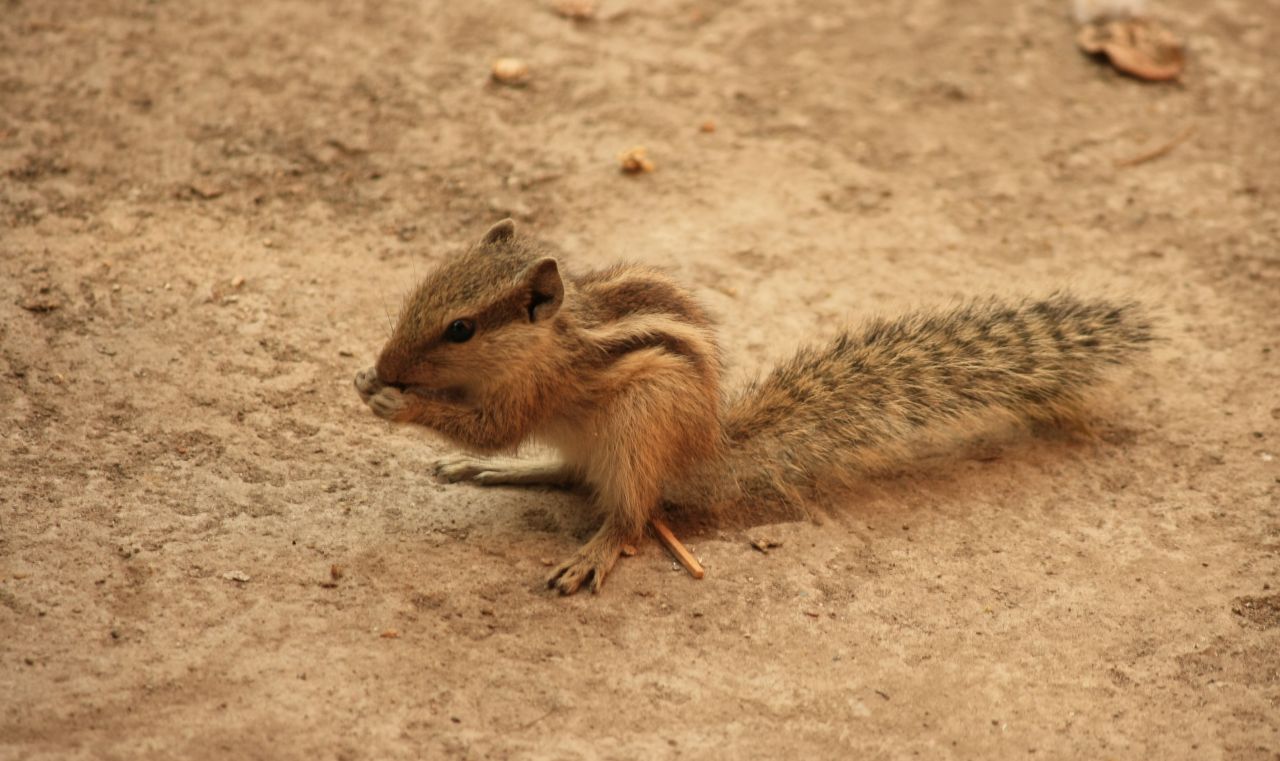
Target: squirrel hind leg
627	501
503	471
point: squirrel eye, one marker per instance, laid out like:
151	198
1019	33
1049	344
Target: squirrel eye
460	331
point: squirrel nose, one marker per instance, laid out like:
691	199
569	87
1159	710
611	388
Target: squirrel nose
395	366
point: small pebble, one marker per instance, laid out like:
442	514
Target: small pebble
636	161
510	71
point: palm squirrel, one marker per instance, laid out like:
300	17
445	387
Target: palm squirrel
618	371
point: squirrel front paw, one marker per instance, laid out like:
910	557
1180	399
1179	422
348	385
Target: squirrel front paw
367	384
454	468
388	403
385	401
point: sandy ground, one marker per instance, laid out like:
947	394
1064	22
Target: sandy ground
210	211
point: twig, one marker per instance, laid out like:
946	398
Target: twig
530	724
676	548
1158	151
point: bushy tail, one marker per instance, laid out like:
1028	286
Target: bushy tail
860	402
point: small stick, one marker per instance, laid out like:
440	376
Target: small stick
676	548
1158	151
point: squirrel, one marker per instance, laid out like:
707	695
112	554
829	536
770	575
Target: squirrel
618	371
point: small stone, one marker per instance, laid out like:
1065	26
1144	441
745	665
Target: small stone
42	303
510	71
205	190
636	161
239	576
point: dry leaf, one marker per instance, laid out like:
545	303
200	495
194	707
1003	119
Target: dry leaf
205	189
764	545
578	10
1139	47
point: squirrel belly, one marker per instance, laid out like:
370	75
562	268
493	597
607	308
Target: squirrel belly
619	371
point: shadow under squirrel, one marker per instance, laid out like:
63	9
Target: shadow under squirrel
618	371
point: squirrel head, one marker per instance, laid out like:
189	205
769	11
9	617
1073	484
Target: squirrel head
475	318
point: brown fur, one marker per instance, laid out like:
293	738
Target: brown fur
619	372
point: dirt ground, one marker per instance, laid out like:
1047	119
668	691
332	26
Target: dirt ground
209	212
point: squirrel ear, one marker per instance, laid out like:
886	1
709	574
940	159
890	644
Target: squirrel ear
546	289
501	232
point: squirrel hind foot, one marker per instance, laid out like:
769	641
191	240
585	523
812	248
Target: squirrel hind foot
573	574
587	568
